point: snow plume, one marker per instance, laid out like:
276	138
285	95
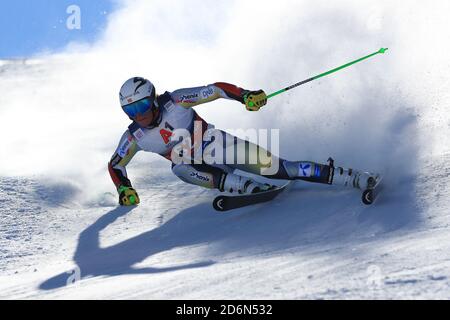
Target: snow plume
60	114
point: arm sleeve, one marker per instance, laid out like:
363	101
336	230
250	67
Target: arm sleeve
190	97
125	151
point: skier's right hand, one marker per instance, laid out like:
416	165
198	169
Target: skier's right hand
127	196
254	100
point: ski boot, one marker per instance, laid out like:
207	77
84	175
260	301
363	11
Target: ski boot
367	182
242	185
354	178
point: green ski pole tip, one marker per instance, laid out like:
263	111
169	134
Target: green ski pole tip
383	50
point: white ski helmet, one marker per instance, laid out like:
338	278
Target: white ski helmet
136	89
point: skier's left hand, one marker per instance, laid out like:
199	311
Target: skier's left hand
128	196
254	100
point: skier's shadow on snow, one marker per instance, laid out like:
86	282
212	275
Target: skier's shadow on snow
300	218
93	260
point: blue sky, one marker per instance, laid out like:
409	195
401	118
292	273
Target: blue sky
28	27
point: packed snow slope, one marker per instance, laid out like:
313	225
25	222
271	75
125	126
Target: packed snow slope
62	234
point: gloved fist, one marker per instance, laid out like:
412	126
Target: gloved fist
127	196
254	100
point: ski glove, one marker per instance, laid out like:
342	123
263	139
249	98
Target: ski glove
254	100
127	196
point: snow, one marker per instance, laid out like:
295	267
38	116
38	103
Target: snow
62	236
299	246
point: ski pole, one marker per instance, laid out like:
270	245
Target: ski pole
382	50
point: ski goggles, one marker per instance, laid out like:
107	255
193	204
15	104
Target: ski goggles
140	106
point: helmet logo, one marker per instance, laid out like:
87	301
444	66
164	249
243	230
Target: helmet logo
141	83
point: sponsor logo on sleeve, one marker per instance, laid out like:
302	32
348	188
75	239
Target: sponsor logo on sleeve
188	98
206	93
124	147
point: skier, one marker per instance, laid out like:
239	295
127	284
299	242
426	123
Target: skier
157	117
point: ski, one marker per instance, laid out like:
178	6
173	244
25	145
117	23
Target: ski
371	193
229	202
